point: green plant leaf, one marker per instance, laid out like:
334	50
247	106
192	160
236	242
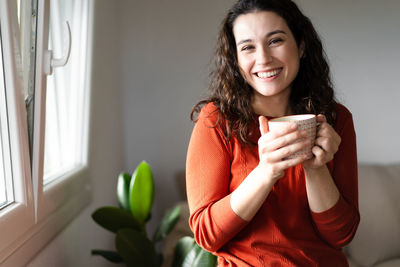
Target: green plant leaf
113	219
184	245
141	192
112	256
135	248
190	258
167	224
124	180
198	257
205	258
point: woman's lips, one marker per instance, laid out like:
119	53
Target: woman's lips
268	74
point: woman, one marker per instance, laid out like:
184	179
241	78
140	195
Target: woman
249	204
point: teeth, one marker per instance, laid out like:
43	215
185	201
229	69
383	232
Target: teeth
268	74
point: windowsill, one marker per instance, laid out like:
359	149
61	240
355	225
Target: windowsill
24	248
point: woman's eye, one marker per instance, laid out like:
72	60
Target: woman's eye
275	41
246	48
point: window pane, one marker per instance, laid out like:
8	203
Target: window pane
3	192
66	108
6	189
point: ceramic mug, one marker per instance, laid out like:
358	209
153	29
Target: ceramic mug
307	122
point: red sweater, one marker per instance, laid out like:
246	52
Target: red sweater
284	232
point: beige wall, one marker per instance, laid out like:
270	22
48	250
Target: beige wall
362	39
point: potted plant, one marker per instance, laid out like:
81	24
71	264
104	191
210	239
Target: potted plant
133	245
135	194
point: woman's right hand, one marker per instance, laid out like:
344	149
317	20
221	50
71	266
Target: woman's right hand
275	146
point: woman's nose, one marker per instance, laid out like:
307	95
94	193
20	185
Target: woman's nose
264	55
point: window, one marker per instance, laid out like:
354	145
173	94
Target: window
6	188
66	100
44	118
61	102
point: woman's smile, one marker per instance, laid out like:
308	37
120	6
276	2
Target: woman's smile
269	75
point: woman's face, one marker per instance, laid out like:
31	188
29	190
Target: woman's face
267	53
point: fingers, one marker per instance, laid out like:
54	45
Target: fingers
321	118
321	156
275	146
277	170
280	142
327	138
283	153
285	129
263	125
326	144
287	163
285	144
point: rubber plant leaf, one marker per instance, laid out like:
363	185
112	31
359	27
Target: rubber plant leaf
198	257
167	223
135	248
124	180
141	192
184	245
112	256
113	219
205	258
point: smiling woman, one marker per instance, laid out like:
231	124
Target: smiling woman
253	199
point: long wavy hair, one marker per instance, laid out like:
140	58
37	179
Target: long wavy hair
311	90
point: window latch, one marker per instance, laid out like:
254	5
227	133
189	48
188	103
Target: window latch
51	62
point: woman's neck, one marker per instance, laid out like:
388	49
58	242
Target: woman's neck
271	106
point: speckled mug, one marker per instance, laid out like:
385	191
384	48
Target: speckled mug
306	122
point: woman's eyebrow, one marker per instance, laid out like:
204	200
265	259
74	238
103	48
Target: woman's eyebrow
268	35
244	41
275	32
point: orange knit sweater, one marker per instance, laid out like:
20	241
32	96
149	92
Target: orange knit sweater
284	232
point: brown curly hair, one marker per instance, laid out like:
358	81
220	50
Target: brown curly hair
311	91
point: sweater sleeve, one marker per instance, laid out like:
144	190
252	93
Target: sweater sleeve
338	225
212	219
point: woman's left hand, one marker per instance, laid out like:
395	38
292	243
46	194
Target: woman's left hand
327	143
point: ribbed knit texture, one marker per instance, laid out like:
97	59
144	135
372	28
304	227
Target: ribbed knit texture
284	232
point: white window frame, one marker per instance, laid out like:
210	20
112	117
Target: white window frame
20	214
58	192
39	212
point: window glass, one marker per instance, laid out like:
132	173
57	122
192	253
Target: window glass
6	190
3	192
66	95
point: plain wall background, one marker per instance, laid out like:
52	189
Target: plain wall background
150	66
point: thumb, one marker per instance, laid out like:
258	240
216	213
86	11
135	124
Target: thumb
321	118
263	125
